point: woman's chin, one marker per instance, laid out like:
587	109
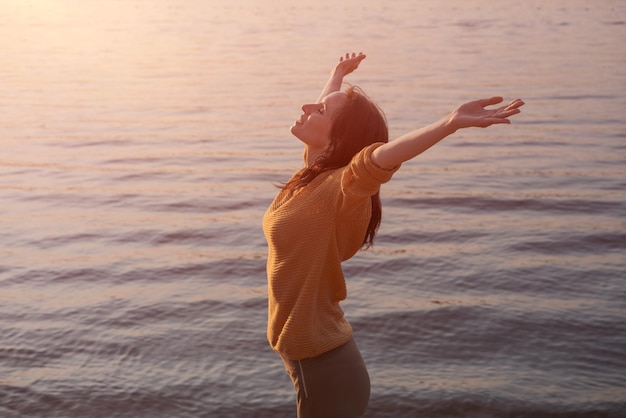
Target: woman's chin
295	128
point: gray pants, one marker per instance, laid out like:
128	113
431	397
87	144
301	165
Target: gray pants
334	384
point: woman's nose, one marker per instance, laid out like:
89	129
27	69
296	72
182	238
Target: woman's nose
309	108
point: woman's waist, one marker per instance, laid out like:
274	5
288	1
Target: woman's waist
300	341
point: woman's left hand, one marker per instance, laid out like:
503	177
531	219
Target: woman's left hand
349	63
474	114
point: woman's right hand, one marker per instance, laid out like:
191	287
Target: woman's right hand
349	63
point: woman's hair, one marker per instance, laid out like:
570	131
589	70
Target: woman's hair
357	124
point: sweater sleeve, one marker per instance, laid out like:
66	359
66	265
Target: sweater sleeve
362	177
360	180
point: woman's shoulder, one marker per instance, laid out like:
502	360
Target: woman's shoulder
363	165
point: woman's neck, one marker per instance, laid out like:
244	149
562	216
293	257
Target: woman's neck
311	154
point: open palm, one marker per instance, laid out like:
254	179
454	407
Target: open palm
474	114
349	63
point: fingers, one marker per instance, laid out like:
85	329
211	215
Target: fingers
508	113
515	104
349	56
510	109
493	121
490	101
502	112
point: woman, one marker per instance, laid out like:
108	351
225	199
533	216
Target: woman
322	216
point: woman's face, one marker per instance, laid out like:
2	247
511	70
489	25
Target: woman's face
313	127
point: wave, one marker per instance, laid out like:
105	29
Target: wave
242	267
566	243
488	204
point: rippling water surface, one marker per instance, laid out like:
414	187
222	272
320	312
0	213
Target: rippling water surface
140	144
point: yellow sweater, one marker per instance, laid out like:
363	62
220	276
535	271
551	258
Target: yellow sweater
309	234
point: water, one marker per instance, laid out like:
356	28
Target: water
140	142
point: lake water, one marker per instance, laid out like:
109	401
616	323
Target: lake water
140	142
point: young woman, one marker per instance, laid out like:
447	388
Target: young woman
321	217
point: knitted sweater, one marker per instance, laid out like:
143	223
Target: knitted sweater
309	234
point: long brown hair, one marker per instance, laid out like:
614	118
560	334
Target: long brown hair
357	124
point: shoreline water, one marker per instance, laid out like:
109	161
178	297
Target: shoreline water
140	148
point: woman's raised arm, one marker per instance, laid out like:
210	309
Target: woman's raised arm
346	65
472	114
